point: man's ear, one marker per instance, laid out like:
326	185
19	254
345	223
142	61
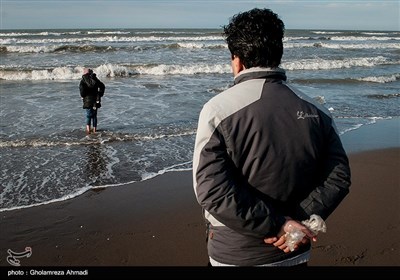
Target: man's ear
237	65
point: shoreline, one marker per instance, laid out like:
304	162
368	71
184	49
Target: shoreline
366	138
379	135
157	222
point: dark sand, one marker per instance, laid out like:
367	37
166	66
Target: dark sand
158	222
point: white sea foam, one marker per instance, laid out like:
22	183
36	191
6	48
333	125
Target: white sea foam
113	70
349	46
114	39
66	197
323	64
381	79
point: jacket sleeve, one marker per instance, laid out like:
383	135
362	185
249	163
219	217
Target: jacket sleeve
335	181
101	87
82	89
221	190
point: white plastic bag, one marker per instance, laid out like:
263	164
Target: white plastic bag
314	224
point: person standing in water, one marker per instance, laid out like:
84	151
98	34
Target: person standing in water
91	90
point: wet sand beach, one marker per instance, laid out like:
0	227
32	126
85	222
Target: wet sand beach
158	222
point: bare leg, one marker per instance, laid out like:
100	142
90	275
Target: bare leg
94	129
88	129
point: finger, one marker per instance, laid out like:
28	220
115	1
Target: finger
286	249
283	247
280	241
308	233
314	239
270	240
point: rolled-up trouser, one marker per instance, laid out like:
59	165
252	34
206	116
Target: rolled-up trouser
91	116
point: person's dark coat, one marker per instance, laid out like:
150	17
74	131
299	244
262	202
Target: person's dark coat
263	151
91	90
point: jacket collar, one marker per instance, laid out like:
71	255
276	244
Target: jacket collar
260	73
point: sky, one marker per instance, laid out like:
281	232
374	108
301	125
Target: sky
380	15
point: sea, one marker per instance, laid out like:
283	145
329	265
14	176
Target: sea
156	83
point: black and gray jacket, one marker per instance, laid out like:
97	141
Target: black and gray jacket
263	151
91	90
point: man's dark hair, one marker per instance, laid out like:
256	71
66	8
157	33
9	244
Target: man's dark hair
256	37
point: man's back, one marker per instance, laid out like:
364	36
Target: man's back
265	155
277	142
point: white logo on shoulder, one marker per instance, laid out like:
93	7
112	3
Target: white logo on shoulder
301	115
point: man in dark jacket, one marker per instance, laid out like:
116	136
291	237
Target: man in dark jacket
266	156
91	90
